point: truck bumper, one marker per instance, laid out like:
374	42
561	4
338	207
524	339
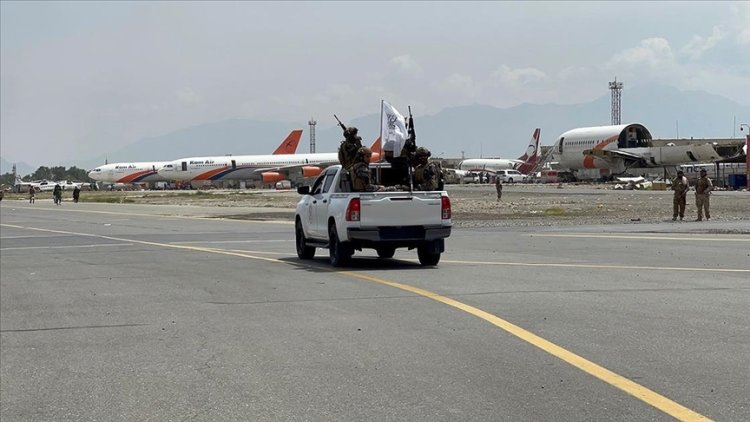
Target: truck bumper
398	234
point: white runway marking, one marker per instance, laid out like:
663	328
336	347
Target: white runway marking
232	241
66	247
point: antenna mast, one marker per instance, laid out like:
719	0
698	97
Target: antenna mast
312	124
616	87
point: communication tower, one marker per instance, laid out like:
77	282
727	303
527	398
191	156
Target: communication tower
312	124
616	87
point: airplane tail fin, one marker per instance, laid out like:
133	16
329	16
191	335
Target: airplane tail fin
289	145
531	156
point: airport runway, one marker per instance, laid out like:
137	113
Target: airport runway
116	312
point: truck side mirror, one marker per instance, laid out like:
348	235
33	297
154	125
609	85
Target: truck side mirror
303	190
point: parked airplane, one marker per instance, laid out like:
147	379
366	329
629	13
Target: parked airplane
523	164
267	168
142	172
44	185
620	147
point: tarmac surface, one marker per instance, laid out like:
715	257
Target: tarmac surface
158	312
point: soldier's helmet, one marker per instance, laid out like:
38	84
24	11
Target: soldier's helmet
351	131
364	151
703	171
680	172
423	152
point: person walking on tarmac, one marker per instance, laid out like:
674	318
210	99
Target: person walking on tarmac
499	187
76	194
349	147
680	186
360	173
57	195
702	195
427	174
32	194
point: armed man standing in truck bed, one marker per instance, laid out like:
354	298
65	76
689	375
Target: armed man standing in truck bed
360	172
349	146
427	174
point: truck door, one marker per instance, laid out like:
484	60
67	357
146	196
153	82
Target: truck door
311	202
322	201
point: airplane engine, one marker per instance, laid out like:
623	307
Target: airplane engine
311	171
272	177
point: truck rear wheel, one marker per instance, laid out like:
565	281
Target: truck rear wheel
427	256
386	251
303	251
339	253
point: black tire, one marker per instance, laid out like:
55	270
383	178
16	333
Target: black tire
340	254
303	251
386	251
426	257
510	180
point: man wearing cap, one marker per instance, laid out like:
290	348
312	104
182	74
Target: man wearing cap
680	186
702	194
427	173
360	172
349	147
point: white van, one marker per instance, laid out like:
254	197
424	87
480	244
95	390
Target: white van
511	176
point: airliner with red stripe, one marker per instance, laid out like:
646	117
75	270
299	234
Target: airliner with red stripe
620	147
145	172
266	168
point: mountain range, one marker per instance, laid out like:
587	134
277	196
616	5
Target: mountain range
470	131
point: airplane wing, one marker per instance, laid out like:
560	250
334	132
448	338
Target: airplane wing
611	155
293	166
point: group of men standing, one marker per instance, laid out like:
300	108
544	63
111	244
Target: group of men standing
703	188
355	158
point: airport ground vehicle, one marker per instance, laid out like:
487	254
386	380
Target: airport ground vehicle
331	216
511	176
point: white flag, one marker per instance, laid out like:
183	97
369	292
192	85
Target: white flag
392	129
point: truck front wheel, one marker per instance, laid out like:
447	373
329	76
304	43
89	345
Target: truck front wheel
339	252
428	255
303	251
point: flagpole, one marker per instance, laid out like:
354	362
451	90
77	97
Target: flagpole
380	157
380	135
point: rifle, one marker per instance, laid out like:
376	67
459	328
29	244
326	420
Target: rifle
340	124
412	134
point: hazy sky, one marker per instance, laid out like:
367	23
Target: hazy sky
78	79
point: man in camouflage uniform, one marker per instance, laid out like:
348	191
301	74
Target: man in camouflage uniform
702	195
499	188
426	174
349	147
680	186
360	172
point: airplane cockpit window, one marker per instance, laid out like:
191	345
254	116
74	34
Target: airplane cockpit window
560	145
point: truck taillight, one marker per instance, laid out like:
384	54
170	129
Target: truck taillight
354	208
446	207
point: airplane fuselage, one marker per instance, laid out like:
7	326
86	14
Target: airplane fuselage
487	164
247	167
620	147
139	172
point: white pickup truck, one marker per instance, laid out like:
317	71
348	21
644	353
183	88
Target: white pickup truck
330	215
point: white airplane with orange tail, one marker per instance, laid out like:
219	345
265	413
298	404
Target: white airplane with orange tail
143	172
266	168
523	164
619	147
